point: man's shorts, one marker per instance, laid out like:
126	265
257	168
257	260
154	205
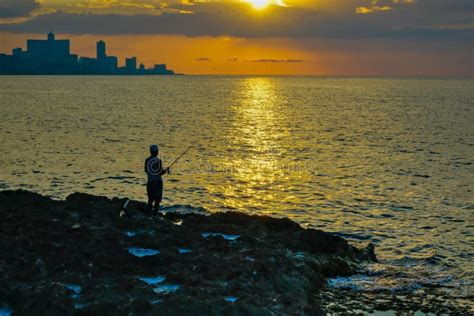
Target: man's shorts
155	190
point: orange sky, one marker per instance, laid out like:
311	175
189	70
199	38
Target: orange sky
289	37
226	55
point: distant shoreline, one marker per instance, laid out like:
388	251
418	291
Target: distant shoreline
361	77
95	75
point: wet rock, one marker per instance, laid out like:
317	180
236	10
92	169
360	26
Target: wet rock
271	266
49	299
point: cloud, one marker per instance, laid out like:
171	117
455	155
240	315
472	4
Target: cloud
420	19
381	5
17	8
372	9
235	59
126	7
277	61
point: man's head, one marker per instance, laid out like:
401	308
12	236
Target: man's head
154	150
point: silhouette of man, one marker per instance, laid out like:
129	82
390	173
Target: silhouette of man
154	187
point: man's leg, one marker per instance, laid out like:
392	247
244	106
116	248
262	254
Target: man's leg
156	208
159	196
150	206
149	191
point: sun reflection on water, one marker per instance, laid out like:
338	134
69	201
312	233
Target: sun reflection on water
257	139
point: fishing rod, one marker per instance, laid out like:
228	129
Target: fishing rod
181	156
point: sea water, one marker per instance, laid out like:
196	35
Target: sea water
382	160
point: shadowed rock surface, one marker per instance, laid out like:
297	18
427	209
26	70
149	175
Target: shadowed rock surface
77	257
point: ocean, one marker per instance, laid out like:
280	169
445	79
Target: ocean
381	160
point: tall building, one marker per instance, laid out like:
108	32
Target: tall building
48	49
101	50
112	62
50	56
131	65
7	65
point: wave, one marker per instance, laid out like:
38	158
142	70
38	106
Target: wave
406	274
185	209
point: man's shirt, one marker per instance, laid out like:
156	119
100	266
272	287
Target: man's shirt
154	169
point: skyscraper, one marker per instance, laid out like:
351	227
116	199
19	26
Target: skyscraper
101	50
48	49
131	65
50	56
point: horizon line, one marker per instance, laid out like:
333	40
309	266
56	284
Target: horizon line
470	77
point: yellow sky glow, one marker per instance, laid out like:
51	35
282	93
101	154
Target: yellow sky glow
261	4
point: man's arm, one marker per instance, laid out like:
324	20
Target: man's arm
163	171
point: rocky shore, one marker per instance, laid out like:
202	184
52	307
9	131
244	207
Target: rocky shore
79	256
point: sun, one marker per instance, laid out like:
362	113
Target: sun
260	4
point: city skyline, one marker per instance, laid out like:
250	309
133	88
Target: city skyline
53	56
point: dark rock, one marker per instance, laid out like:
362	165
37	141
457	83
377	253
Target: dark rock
71	257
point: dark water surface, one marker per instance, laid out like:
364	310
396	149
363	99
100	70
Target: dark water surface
382	160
